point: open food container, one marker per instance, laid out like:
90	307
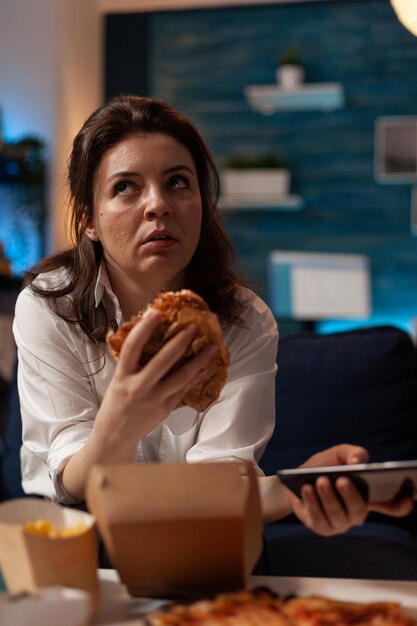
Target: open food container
176	529
44	544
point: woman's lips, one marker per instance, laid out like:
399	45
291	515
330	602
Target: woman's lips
159	243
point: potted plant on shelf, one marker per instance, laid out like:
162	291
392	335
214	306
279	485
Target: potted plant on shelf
289	72
23	175
254	178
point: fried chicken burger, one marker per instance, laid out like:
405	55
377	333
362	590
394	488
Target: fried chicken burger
179	309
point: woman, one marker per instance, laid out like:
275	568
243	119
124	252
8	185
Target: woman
144	189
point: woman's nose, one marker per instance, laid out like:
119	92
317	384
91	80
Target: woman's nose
156	205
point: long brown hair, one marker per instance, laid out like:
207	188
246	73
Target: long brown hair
210	272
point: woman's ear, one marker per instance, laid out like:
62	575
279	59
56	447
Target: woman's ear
90	231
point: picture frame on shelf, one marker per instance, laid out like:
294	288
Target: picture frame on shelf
395	151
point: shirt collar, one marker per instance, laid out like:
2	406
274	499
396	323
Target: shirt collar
103	288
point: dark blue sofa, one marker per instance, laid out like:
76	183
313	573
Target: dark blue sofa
10	476
357	386
360	387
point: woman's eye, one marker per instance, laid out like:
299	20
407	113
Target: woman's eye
178	182
123	188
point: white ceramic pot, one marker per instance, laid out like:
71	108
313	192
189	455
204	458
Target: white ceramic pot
289	76
256	182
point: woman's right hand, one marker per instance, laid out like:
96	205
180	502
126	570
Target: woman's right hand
139	398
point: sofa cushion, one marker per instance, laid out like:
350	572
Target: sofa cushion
371	551
357	386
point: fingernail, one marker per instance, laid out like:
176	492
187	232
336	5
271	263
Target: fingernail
323	486
307	491
151	314
201	375
343	485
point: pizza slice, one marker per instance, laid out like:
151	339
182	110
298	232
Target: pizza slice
261	607
320	611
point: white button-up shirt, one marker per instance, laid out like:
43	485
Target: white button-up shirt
63	377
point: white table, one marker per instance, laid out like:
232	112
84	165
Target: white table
119	609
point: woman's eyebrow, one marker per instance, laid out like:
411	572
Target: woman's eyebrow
177	168
122	173
174	168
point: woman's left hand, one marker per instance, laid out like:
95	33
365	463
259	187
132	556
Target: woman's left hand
330	510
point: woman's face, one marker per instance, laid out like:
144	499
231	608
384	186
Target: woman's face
147	210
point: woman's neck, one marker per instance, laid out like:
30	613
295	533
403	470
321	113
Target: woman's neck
134	295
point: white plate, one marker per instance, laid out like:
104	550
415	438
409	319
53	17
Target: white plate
119	608
346	589
49	606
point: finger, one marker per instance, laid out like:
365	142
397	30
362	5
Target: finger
169	355
342	505
136	340
333	507
342	454
310	512
194	371
357	454
395	508
355	507
347	454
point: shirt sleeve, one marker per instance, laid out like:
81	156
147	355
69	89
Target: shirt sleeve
238	426
58	404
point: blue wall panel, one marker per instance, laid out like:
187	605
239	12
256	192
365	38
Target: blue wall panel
201	60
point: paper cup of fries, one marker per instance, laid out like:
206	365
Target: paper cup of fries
44	544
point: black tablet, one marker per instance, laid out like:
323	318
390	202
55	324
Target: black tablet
377	482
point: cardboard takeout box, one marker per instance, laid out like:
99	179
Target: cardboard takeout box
29	561
174	529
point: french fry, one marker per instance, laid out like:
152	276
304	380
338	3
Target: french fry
47	529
